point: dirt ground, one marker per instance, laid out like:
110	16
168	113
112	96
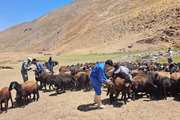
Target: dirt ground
76	106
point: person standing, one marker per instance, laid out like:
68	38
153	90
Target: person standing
170	55
25	68
98	77
50	65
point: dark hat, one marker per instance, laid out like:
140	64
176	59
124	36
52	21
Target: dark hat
109	62
34	60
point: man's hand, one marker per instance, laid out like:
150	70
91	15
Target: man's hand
109	82
111	78
29	69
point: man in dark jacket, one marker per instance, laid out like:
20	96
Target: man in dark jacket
122	72
25	68
51	64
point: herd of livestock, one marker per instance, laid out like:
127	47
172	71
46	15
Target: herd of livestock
155	80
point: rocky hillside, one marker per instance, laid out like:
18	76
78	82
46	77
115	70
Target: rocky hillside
99	26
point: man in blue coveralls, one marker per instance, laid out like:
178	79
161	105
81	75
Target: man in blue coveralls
98	77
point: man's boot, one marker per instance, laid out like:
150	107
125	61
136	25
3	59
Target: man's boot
99	102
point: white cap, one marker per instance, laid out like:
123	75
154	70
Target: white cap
30	59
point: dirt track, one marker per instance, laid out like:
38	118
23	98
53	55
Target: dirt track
74	106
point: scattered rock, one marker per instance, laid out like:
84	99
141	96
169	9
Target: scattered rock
27	29
147	41
130	46
6	67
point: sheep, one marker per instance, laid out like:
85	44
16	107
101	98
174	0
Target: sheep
25	90
83	81
42	79
62	82
5	95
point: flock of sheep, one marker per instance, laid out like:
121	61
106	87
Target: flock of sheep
154	80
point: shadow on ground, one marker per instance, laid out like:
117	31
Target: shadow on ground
92	106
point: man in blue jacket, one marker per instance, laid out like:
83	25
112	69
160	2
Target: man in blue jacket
98	77
51	64
40	68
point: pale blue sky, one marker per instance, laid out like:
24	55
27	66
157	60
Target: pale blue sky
14	12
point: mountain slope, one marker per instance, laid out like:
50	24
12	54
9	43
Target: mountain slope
98	26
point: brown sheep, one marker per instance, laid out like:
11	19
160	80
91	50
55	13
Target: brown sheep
31	87
175	76
83	81
63	69
175	80
5	95
25	90
163	74
143	82
118	86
